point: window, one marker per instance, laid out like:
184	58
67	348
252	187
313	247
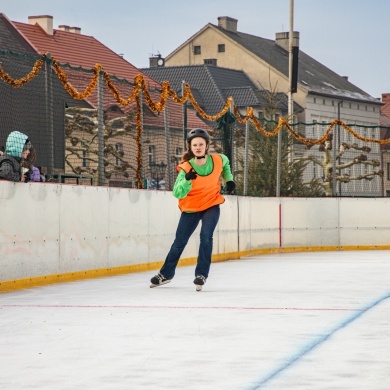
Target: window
197	50
314	100
84	160
323	102
211	61
349	137
221	48
119	153
388	171
315	128
179	152
151	153
260	115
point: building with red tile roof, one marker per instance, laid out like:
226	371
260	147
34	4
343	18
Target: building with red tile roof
67	45
77	55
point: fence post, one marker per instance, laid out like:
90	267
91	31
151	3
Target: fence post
334	189
246	158
279	163
183	83
101	175
231	130
140	159
49	113
339	104
168	145
227	136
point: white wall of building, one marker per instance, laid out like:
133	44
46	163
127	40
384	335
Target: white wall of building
322	109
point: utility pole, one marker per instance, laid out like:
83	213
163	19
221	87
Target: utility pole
290	100
290	65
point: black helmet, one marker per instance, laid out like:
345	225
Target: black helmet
198	133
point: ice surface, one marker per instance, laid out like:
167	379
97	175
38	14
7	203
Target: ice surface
290	321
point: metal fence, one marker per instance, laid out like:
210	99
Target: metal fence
92	128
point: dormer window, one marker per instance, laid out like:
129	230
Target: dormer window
210	61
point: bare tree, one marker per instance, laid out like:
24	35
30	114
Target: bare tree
81	151
329	163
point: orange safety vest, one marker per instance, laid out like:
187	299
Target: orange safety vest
205	191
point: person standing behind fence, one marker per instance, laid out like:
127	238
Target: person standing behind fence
34	172
198	189
17	150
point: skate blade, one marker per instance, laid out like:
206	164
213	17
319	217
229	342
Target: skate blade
158	285
198	287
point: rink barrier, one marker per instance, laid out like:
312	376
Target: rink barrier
53	233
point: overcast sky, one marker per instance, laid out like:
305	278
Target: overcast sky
351	37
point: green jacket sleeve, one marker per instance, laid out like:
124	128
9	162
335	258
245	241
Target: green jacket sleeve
226	171
182	186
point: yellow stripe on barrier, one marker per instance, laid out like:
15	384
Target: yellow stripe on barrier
36	281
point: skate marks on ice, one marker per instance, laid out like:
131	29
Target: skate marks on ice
316	343
300	321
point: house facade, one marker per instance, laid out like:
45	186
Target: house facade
212	86
322	93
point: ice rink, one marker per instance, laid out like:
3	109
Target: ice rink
297	321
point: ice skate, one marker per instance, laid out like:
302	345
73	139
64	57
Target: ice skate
199	281
158	280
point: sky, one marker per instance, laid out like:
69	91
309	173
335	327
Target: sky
348	36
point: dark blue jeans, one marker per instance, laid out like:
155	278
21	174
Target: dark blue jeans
187	225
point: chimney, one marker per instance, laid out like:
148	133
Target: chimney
345	77
227	23
45	21
63	27
282	39
156	61
75	30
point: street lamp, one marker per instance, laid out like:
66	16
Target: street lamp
158	172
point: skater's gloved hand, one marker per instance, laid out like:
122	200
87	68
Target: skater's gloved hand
230	187
191	175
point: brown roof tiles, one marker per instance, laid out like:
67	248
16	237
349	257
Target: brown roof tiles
85	51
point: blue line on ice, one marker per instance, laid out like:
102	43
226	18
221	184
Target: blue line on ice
314	344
